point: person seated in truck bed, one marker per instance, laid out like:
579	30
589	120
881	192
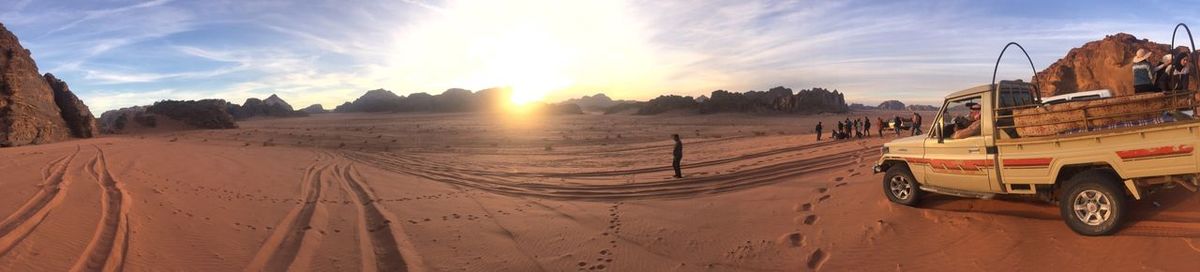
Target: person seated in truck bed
972	129
1143	73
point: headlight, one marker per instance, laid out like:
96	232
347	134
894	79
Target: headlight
883	150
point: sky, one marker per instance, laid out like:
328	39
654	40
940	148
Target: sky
120	53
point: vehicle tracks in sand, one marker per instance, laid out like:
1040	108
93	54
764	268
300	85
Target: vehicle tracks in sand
675	188
52	190
110	243
291	235
382	244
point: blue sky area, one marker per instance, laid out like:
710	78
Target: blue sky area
119	53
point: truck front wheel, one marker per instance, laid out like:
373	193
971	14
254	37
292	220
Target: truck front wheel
900	186
1092	204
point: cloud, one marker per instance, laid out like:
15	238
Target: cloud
102	13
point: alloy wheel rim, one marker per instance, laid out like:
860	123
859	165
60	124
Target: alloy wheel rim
901	187
1092	207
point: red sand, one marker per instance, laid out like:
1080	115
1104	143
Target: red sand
338	192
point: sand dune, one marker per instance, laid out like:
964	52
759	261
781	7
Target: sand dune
463	192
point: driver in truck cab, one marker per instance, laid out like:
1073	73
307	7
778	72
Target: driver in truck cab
972	129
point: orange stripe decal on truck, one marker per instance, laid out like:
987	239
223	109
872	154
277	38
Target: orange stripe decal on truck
1029	162
1155	152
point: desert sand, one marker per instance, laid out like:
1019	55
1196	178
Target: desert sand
472	192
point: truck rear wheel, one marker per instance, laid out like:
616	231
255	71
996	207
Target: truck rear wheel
900	186
1092	204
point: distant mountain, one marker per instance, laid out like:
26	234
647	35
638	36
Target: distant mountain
922	108
314	109
273	106
452	100
36	108
202	114
891	105
597	102
776	100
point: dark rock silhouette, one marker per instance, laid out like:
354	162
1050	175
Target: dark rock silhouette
273	106
116	121
891	105
205	114
597	102
29	111
452	100
667	103
378	100
314	109
1102	64
776	100
78	117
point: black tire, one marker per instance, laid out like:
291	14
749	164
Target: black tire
900	186
1093	203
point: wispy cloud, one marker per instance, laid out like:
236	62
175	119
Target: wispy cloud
330	51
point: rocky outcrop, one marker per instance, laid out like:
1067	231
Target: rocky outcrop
1103	64
29	112
314	109
891	105
78	117
598	102
667	103
117	121
776	100
205	114
452	100
273	106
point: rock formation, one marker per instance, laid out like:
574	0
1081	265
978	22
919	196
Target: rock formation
667	103
314	109
891	105
78	117
117	121
776	100
378	100
205	114
29	108
1103	64
273	106
598	102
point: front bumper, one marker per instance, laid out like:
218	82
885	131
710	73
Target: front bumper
878	168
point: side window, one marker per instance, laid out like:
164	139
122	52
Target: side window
957	118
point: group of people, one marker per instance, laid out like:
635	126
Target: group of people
861	127
1171	73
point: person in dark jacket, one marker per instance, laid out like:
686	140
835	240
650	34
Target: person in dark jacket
1182	72
882	125
818	131
841	128
1162	73
678	156
867	126
916	124
1143	72
896	125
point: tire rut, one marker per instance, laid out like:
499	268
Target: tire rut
660	189
21	223
292	235
107	249
380	249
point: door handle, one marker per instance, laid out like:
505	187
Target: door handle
973	150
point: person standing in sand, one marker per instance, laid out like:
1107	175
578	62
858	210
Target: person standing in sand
879	120
678	156
867	126
916	124
818	131
896	125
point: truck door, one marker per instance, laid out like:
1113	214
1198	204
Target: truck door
959	160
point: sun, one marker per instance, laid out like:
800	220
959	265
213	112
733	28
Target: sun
533	64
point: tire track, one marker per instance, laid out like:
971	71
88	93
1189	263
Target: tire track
611	192
21	223
292	235
107	249
379	247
